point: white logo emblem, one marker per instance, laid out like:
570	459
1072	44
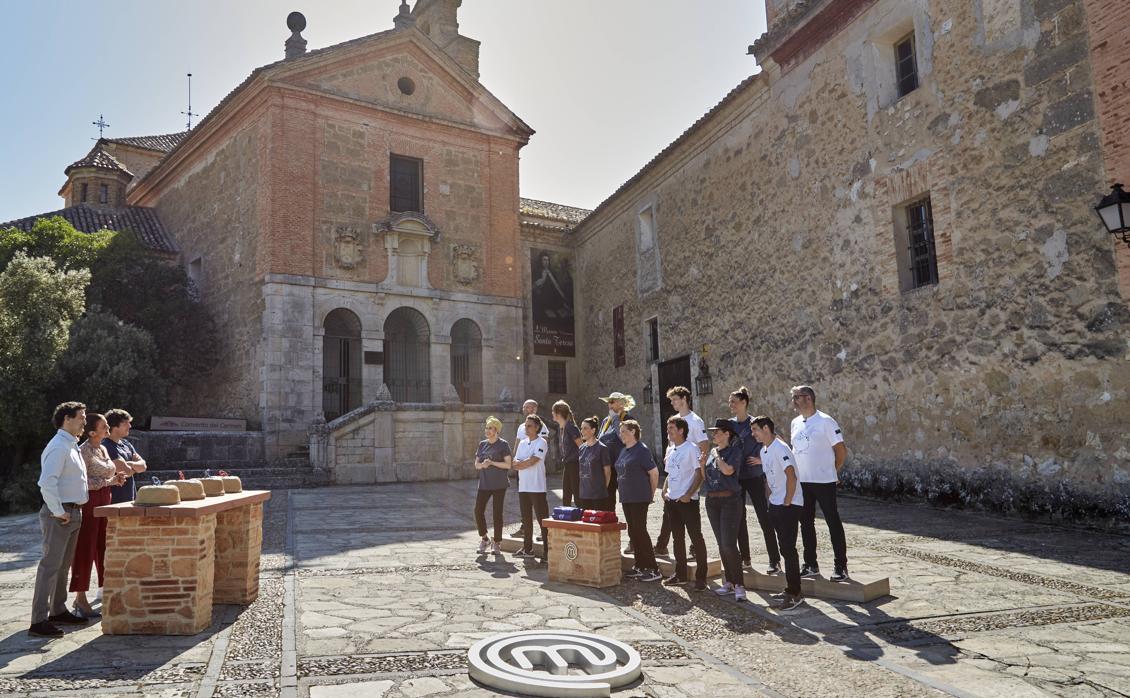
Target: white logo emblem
539	663
570	551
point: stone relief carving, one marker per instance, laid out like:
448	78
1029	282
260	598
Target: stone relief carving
348	251
465	264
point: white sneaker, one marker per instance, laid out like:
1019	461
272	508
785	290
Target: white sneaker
484	545
98	594
725	590
739	593
495	548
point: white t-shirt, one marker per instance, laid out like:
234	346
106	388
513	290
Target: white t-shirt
813	440
696	429
681	463
544	433
532	479
775	459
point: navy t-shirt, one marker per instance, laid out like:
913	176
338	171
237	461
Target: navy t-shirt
750	447
593	460
715	480
567	443
632	467
127	491
490	477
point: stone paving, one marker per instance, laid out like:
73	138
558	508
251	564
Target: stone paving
377	591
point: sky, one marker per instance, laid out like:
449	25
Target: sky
606	84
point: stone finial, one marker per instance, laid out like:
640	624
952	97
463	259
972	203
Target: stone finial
404	19
383	394
295	45
451	395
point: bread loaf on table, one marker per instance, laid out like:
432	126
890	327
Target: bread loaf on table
190	490
157	495
232	484
213	486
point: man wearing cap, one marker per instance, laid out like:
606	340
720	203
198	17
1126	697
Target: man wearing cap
619	410
818	445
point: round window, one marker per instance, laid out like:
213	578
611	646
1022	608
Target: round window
406	85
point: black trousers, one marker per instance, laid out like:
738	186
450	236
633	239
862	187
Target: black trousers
785	522
594	504
823	493
686	520
610	503
570	483
533	504
635	513
725	514
755	489
481	512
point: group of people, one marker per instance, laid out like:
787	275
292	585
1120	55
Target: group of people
605	460
87	464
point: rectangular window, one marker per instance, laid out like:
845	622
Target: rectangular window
558	383
920	233
103	194
406	184
82	197
653	339
906	65
619	355
646	229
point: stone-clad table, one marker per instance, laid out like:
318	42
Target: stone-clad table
167	565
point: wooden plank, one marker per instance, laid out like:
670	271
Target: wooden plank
667	565
582	526
208	505
857	590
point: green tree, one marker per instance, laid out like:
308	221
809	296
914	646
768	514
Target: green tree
55	238
38	304
110	363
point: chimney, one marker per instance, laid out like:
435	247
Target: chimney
439	20
295	45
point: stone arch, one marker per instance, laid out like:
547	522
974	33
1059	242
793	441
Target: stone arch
341	363
467	360
408	356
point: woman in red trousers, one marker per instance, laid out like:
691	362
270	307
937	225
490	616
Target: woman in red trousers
91	546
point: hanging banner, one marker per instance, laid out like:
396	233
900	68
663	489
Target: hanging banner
552	302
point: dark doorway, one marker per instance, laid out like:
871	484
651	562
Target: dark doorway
467	361
407	356
341	364
671	373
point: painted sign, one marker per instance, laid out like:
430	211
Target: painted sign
552	295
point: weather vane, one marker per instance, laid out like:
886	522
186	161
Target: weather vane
102	125
189	113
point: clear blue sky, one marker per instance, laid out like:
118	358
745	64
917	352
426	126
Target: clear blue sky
606	83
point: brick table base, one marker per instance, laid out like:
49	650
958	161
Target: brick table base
159	573
584	553
239	539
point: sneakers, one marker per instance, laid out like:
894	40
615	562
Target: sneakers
628	550
524	553
67	618
810	571
484	545
662	551
87	615
673	581
634	573
44	629
748	564
841	575
521	532
495	548
739	593
98	595
725	590
699	586
775	568
650	576
790	603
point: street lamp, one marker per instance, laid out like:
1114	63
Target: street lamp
1114	210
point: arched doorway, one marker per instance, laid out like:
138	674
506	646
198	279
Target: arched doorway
467	361
408	373
341	364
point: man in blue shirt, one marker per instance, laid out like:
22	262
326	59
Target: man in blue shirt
123	454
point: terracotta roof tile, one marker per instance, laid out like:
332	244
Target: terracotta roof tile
100	159
548	209
142	222
162	143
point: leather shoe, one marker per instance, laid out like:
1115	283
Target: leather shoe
67	618
44	629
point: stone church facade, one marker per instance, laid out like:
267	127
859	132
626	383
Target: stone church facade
897	209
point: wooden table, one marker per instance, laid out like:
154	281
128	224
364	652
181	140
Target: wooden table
584	553
167	565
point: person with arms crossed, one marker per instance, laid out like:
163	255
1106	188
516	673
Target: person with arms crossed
680	495
820	453
529	461
594	467
752	479
637	479
786	503
724	503
529	407
568	441
493	461
680	399
123	454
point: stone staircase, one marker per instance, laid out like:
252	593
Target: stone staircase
291	472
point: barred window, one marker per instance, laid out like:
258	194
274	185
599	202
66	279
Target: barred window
558	378
906	65
920	239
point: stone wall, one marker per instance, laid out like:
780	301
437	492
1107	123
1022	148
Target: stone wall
194	450
775	222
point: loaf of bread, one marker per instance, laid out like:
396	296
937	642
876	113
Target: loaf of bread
157	495
190	490
231	484
213	486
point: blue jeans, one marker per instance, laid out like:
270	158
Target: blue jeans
725	514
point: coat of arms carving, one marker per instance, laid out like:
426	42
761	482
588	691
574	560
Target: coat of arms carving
348	252
465	264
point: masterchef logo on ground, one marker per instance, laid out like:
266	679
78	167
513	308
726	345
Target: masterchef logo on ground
555	663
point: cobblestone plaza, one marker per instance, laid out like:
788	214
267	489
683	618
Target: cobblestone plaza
377	591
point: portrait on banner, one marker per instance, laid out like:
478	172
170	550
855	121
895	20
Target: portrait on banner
552	291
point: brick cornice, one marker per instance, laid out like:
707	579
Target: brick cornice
797	36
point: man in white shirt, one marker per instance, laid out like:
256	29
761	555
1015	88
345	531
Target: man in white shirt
529	407
529	461
62	482
786	503
820	453
680	501
680	398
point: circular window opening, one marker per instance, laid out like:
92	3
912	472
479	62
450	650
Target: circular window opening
406	85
